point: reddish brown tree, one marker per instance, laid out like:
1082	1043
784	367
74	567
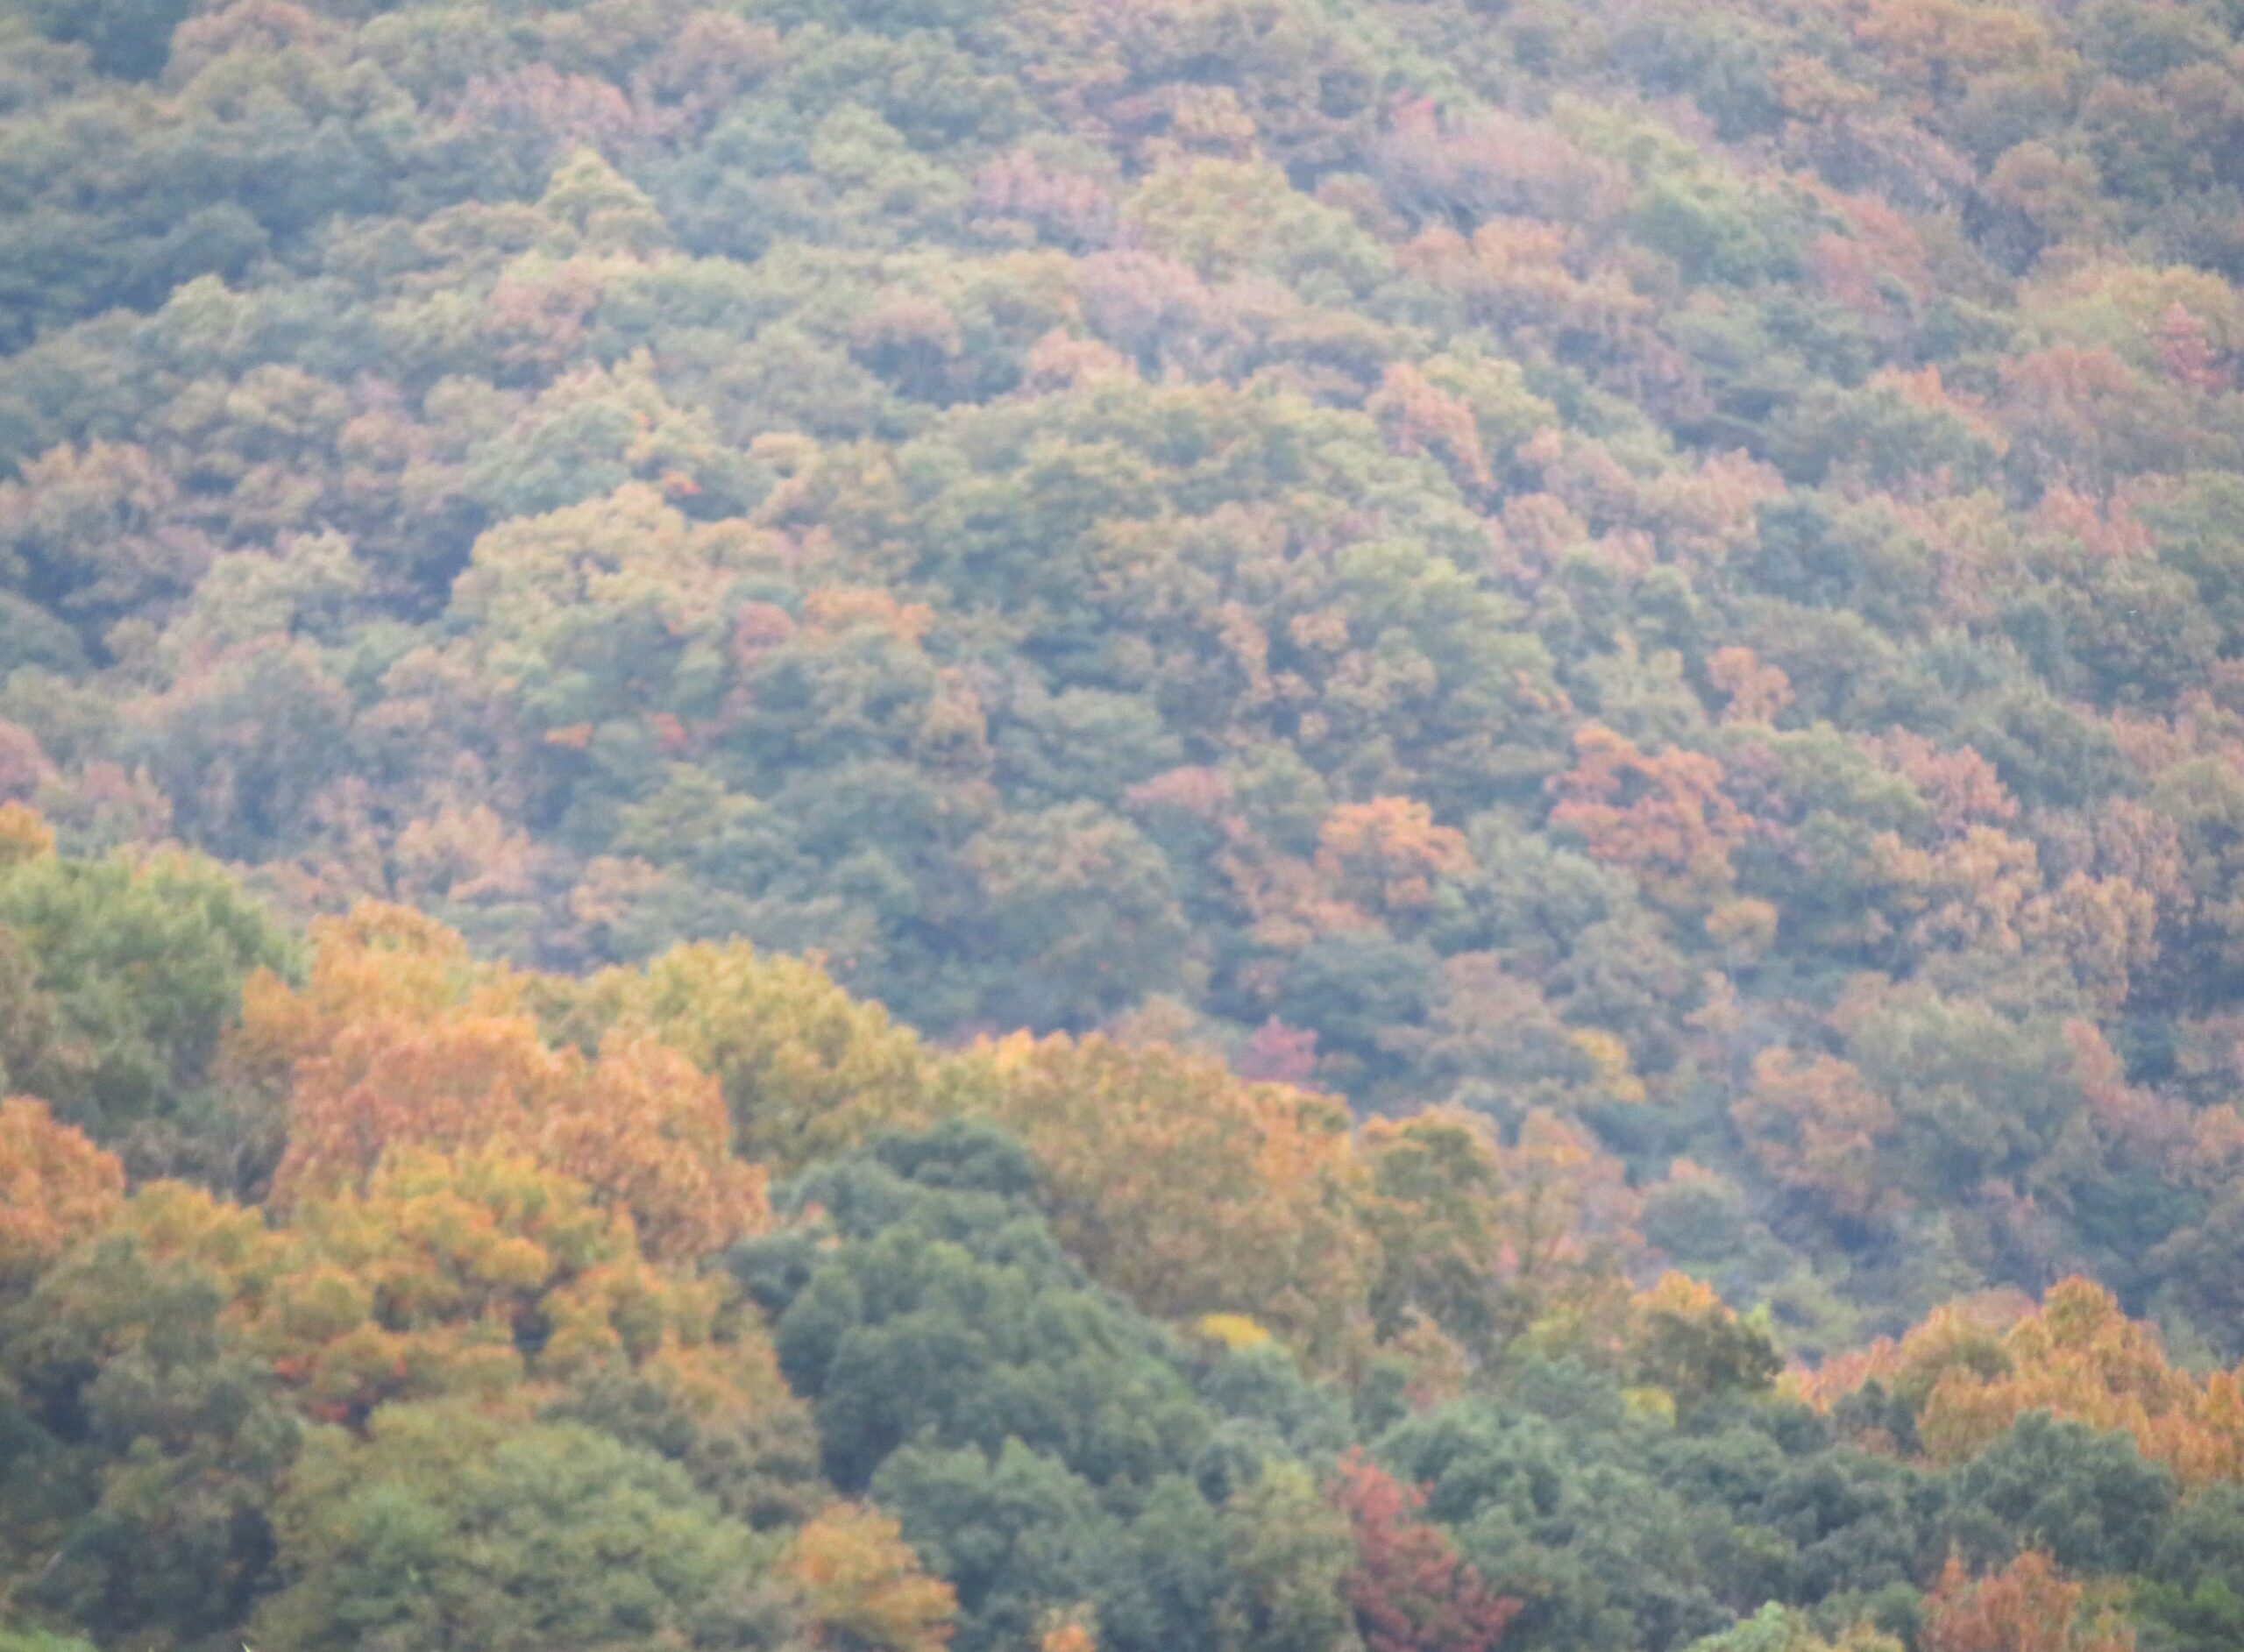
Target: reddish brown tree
1409	1589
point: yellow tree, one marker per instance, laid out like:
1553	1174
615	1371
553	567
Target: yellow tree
480	1272
863	1586
1971	1369
55	1188
400	1038
1187	1188
806	1070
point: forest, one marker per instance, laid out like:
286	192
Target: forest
1121	826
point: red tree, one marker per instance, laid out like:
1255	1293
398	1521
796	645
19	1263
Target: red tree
1409	1589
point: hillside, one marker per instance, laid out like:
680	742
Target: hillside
1479	718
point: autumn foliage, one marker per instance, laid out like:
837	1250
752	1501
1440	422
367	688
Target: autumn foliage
2027	1607
864	1588
395	1044
55	1186
1410	1591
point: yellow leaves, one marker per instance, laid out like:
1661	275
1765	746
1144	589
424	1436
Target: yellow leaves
805	1070
24	836
1184	1188
381	959
399	1039
55	1186
1234	1332
429	1282
1068	1634
2081	1358
176	1222
841	608
1681	1339
1613	1078
1965	1334
864	1587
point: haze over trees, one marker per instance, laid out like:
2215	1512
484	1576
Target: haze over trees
1276	826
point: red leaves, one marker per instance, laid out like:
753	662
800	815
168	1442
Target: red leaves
1409	1589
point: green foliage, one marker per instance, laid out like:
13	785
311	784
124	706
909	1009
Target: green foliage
118	978
444	1528
946	1314
1666	578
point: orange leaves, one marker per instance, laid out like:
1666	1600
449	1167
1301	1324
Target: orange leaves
400	1041
472	1275
637	1123
1385	853
1418	416
2080	1358
1664	818
55	1186
1820	1128
380	960
24	836
864	1587
1187	1189
1964	1336
1757	692
2027	1607
642	1125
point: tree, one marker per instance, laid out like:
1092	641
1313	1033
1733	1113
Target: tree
863	1588
936	1308
146	1436
806	1070
1776	1629
1290	1554
131	972
446	1528
1488	1241
2085	1498
1087	904
1409	1590
2027	1607
399	1039
2080	1358
1818	1127
1183	1188
1685	1340
55	1189
1664	818
479	1272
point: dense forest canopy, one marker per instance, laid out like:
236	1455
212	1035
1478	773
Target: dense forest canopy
1277	825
